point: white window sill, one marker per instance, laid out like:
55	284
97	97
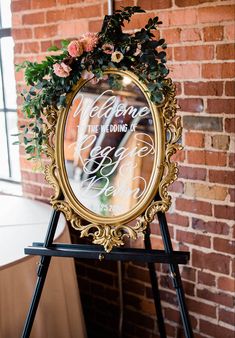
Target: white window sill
10	188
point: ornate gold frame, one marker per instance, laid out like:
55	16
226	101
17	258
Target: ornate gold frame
109	231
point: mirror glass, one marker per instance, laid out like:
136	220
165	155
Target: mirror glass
109	145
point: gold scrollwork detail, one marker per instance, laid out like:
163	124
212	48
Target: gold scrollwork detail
113	235
50	169
173	129
108	235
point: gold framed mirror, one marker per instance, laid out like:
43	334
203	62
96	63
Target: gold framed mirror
110	152
116	149
103	110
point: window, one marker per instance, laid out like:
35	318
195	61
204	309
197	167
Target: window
9	153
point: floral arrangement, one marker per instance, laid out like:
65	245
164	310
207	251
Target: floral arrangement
87	58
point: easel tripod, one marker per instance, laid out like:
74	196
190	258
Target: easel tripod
48	249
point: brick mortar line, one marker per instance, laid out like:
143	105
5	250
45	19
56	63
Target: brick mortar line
210	249
196	25
170	62
190	180
207	149
181	81
210	184
212	217
226	325
205	114
182	43
173	8
206	97
201	62
214	4
200	43
201	316
230	224
201	300
199	26
213	290
218	322
204	233
203	166
171	46
51	23
58	7
151	12
212	202
220	203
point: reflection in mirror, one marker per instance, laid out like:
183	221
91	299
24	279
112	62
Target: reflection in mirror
109	145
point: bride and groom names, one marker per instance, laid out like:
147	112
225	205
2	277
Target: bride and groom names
107	166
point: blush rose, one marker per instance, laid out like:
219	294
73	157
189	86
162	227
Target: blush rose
89	41
75	48
61	70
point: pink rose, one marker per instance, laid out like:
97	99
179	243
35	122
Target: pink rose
75	48
108	48
86	75
61	70
89	41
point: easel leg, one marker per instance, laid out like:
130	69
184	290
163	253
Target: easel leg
176	276
42	273
155	289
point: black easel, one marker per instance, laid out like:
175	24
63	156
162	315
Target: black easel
49	249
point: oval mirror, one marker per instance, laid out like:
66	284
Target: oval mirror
111	148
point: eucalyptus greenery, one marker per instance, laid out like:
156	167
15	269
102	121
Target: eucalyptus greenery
141	53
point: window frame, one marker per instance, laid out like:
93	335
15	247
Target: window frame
6	32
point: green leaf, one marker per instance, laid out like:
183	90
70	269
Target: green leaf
32	91
62	100
157	97
31	158
30	149
35	129
53	49
22	65
25	140
16	134
39	85
151	86
161	55
40	120
65	43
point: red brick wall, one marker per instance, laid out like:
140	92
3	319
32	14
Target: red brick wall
200	36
